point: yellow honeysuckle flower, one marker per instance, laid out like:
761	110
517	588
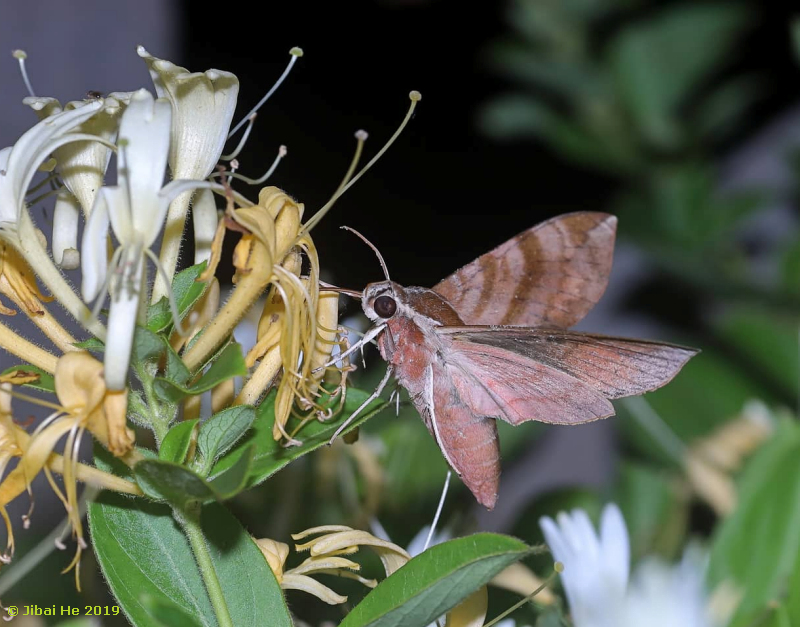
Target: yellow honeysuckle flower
298	320
85	404
326	559
18	283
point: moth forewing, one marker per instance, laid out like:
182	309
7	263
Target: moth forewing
461	372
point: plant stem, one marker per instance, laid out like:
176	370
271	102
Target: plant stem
190	521
159	424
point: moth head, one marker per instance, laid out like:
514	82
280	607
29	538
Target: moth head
380	301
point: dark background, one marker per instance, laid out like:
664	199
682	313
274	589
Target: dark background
444	193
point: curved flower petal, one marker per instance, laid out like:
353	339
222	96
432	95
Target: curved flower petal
82	165
203	104
94	257
312	586
142	160
65	231
29	152
614	542
126	291
595	568
205	220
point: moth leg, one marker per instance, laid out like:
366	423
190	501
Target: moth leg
368	337
395	396
428	391
363	405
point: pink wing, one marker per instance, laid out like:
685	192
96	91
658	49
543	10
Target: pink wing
552	274
468	441
611	366
499	383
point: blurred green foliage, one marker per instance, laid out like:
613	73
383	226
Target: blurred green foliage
649	96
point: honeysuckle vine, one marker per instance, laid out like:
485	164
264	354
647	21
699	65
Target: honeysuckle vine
155	348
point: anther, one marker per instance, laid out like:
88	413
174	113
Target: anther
295	53
415	97
21	55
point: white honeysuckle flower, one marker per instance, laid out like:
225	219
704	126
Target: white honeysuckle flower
18	166
205	219
203	104
135	209
596	576
65	231
82	165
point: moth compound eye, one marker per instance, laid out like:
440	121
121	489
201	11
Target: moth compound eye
384	306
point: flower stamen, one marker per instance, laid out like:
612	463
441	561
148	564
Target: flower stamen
21	55
295	53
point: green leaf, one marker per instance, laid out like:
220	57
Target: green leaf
795	28
142	551
176	443
175	370
229	363
436	581
146	345
270	456
221	431
515	116
44	383
92	344
165	481
229	483
186	290
570	78
659	62
756	548
767	341
166	614
655	514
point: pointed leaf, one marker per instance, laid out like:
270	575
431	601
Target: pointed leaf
177	441
44	383
270	456
142	551
229	483
436	581
186	290
229	363
165	481
220	432
756	547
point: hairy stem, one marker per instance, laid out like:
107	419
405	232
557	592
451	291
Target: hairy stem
190	521
38	258
171	242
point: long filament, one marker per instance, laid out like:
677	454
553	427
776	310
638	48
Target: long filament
296	53
415	97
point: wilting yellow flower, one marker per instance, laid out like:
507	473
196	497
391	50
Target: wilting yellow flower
85	404
326	559
17	281
297	321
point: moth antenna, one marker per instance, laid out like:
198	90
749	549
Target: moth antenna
372	246
334	288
